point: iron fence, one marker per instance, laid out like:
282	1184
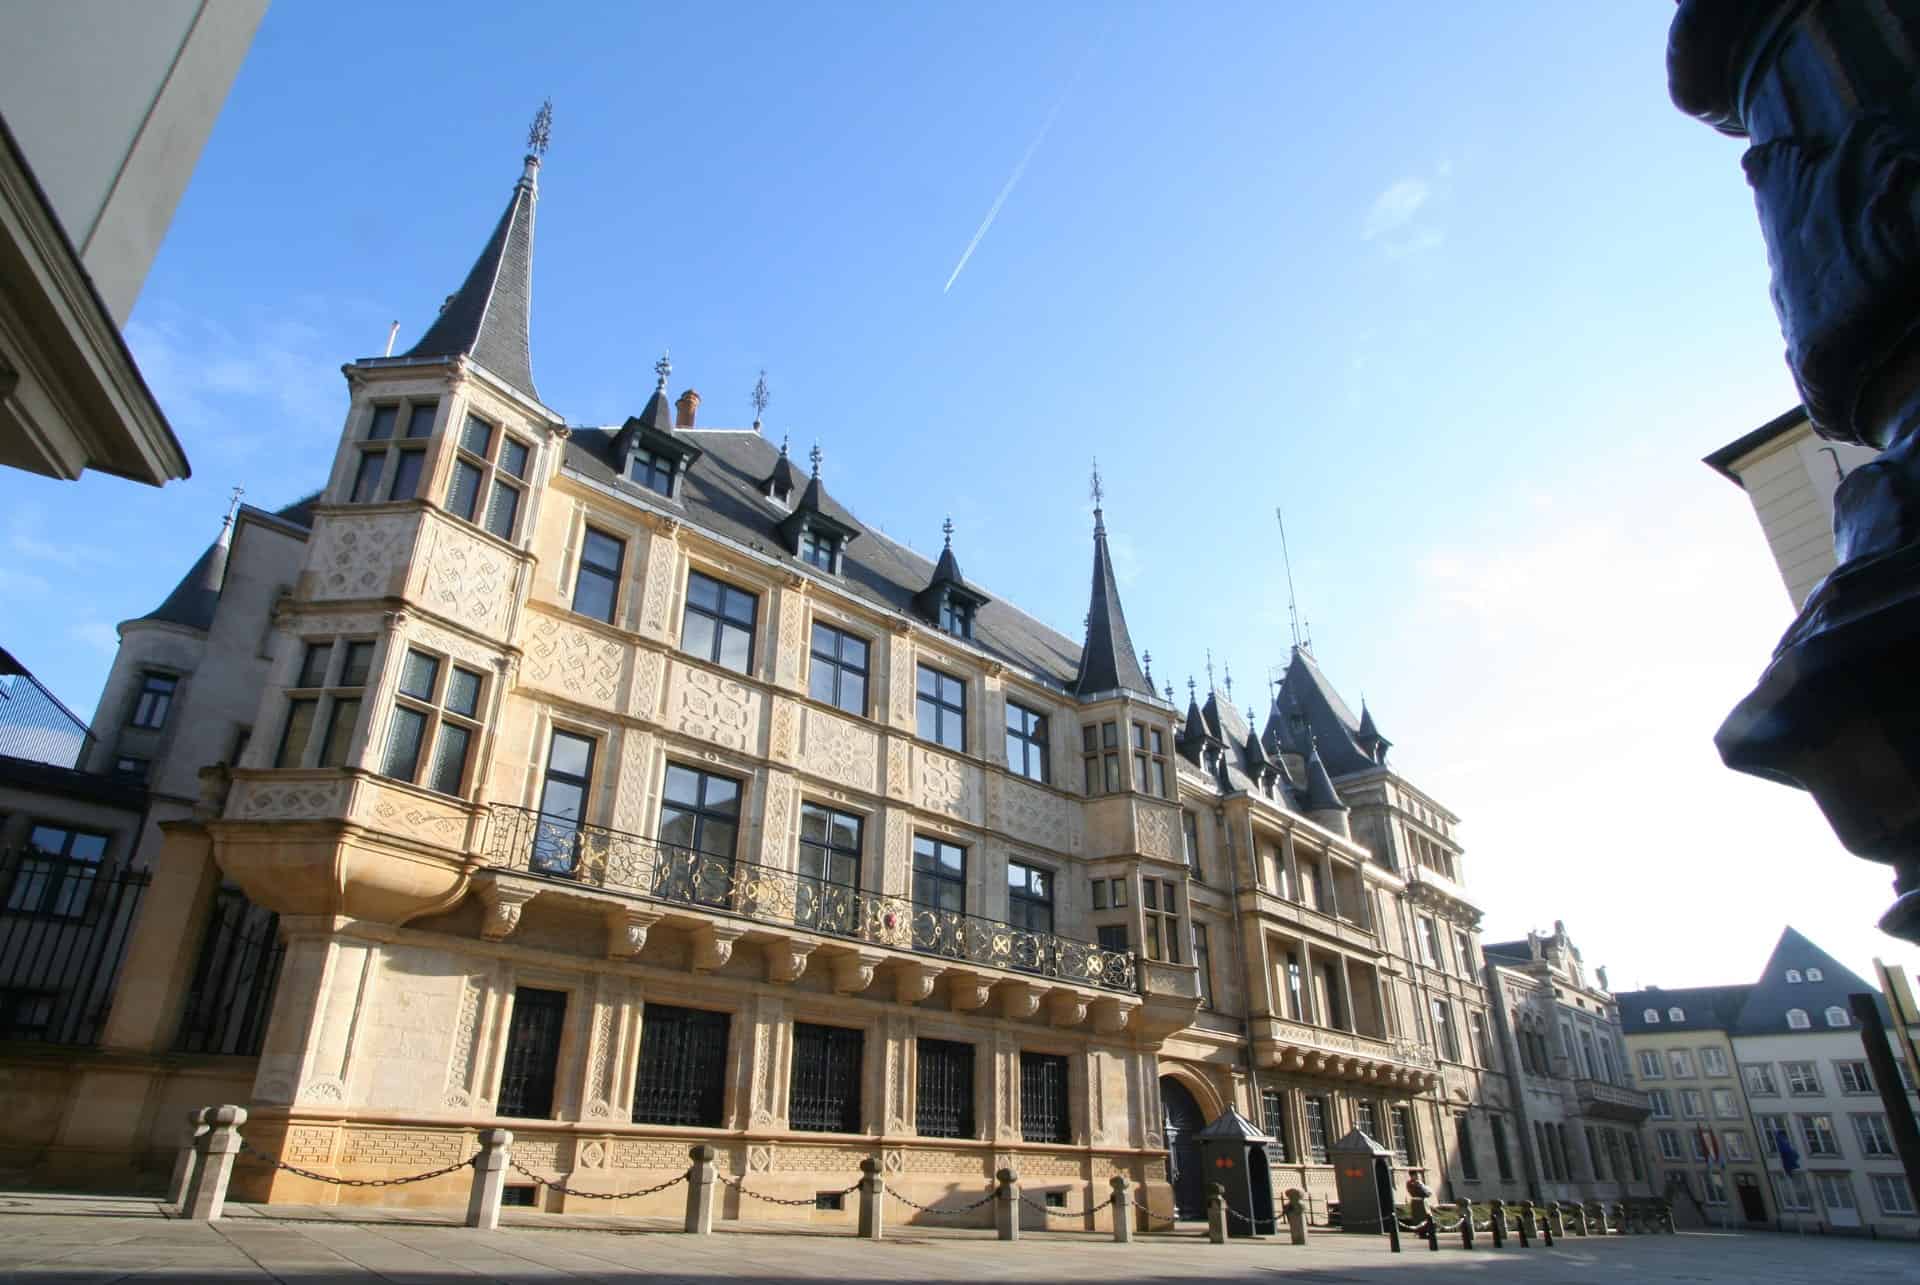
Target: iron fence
234	979
64	926
538	844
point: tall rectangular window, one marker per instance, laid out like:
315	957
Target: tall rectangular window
939	896
1758	1077
1149	760
390	463
700	816
1502	1158
1159	898
154	701
1316	1112
1203	961
1803	1079
1365	1118
1029	897
1817	1132
1296	989
533	1049
596	583
940	704
943	1104
1723	1104
1100	757
1713	1061
1854	1077
682	1075
718	623
1273	1110
1443	1035
825	895
1692	1105
563	803
56	879
435	722
1660	1104
1430	942
837	674
1027	742
332	680
1463	1147
1044	1115
1402	1135
1190	831
1871	1129
1651	1067
823	1094
1482	1045
1680	1064
487	465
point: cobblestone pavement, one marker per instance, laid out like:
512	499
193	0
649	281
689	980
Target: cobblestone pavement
84	1240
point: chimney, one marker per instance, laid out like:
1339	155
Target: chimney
685	409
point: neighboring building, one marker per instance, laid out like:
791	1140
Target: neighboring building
1790	473
104	107
1731	1067
1577	1111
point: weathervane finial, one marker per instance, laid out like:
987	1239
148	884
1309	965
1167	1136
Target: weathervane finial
760	398
1097	491
946	529
663	368
1209	670
1147	658
814	455
540	133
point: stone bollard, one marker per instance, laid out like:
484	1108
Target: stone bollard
1598	1219
1556	1220
1122	1210
1466	1224
1577	1217
1216	1213
187	1164
1497	1222
872	1187
1527	1226
1295	1212
208	1199
1666	1217
489	1179
1620	1220
1006	1205
701	1189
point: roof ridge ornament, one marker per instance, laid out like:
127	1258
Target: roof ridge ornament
662	369
760	399
1098	493
946	530
814	456
540	133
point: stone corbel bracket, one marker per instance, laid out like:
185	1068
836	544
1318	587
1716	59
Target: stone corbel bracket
786	960
1019	1000
1066	1008
713	946
968	991
627	928
853	973
913	982
503	897
1110	1016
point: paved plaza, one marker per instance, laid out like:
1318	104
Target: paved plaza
91	1240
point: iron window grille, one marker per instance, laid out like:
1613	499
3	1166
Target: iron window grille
941	707
59	883
596	583
1402	1135
327	694
492	463
1044	1112
1316	1112
943	1104
154	701
829	869
717	625
436	719
1365	1120
653	471
837	675
389	466
1273	1107
824	1090
532	1058
234	979
1027	742
701	813
563	802
682	1074
939	883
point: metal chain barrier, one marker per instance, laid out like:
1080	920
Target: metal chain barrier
1051	1212
555	1184
298	1172
1152	1217
943	1213
739	1185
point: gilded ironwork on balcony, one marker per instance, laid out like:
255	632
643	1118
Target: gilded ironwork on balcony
552	847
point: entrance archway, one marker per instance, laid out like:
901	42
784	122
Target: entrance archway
1184	1122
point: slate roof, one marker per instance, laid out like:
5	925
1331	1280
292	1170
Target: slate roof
192	601
1107	663
1706	1008
1305	691
489	318
1769	998
723	495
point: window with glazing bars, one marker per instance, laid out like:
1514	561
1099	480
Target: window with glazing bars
437	706
1365	1119
333	676
1316	1111
1273	1109
1100	758
837	673
155	700
491	464
718	623
1502	1159
943	1106
939	896
1160	899
940	707
823	1093
1403	1135
533	1051
373	479
1027	742
596	584
829	882
1044	1113
682	1075
700	818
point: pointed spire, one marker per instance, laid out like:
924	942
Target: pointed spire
810	498
1321	796
779	484
1195	733
657	414
488	319
215	574
1107	662
1369	736
948	568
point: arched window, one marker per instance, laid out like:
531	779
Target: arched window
1837	1016
1651	1017
1797	1019
1815	975
1676	1015
1793	977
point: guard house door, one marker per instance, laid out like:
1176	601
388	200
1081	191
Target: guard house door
1751	1203
1184	1120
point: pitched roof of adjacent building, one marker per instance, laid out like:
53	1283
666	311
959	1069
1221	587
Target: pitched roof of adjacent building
1307	712
489	318
192	601
1769	999
1702	1008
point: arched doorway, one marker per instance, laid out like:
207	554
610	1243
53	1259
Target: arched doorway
1184	1122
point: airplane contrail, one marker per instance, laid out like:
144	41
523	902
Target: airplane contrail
1013	179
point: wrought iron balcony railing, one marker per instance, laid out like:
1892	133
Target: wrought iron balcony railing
555	848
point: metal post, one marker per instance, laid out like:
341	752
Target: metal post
1620	1219
701	1186
1216	1213
1296	1215
1122	1211
1466	1224
489	1179
1526	1224
1497	1221
1546	1232
1666	1216
872	1187
187	1164
1431	1230
209	1198
1392	1214
1006	1205
1893	1095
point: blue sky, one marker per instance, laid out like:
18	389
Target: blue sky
1454	284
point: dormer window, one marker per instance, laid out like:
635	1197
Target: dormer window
1793	977
1815	975
653	470
820	549
956	618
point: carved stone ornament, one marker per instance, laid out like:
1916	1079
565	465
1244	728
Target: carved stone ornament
627	929
713	946
786	960
503	902
913	982
1110	1016
1019	1000
1066	1008
968	991
1828	94
854	973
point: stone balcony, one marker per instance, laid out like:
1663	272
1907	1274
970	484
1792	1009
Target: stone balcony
1330	927
638	885
1604	1101
1341	1055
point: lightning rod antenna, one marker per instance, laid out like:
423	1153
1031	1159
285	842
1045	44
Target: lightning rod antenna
1293	610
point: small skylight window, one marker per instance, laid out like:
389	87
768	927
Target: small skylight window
1651	1017
1797	1019
1793	977
1815	975
1676	1015
1837	1016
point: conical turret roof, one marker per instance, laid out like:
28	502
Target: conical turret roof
1107	662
